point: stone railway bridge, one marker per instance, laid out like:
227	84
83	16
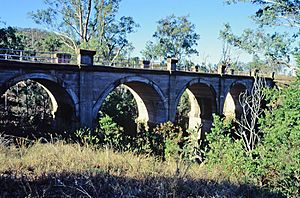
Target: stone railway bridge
78	91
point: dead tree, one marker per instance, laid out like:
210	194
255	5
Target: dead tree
251	104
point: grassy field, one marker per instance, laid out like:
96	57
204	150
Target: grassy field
59	169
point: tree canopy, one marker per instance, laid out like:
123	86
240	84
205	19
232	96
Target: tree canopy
174	37
274	49
9	38
275	12
88	24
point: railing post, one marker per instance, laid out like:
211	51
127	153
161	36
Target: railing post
196	68
171	64
145	64
85	57
222	69
21	55
273	75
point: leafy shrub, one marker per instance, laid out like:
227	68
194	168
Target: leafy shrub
226	152
86	136
121	106
146	141
279	151
275	161
111	132
170	139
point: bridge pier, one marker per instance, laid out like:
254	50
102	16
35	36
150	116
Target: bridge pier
86	116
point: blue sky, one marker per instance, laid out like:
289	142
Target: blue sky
209	16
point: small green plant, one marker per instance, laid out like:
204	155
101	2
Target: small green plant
86	136
170	137
112	133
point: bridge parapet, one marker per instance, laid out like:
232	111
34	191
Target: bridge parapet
88	58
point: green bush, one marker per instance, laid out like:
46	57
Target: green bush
112	133
279	151
86	136
171	138
274	163
226	152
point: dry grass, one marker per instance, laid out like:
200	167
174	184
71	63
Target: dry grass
283	81
70	170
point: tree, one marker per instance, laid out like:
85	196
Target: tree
175	37
9	38
152	51
87	24
121	106
40	40
114	41
273	49
25	107
279	149
275	12
276	48
252	104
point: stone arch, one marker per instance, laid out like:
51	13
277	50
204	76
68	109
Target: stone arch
202	96
64	101
232	108
151	103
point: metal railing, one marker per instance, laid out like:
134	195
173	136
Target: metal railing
67	58
34	56
130	63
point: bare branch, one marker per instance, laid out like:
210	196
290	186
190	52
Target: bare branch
251	110
87	17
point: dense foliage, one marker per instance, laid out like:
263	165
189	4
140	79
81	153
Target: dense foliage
88	24
274	49
174	37
274	163
10	39
25	107
121	106
270	51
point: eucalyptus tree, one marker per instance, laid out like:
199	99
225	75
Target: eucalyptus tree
174	37
274	49
40	40
9	38
275	12
87	24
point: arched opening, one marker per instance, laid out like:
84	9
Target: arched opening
232	107
147	107
121	106
199	100
34	107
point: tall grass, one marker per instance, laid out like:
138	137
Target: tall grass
70	170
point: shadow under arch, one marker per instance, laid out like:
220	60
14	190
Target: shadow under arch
232	108
202	97
151	103
64	101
